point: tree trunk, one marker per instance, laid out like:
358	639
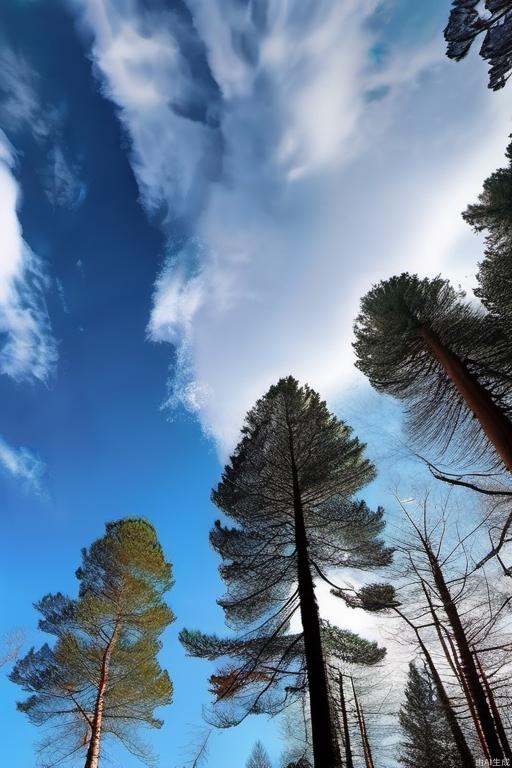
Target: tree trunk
494	708
467	663
324	750
494	423
93	753
368	758
468	761
346	732
454	663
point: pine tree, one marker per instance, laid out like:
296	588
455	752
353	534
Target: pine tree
492	214
493	18
288	488
102	676
418	341
382	598
428	742
259	757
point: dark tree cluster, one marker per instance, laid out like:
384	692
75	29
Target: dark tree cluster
492	215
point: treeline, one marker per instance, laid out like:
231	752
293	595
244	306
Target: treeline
292	518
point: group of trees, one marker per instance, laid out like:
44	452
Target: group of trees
292	520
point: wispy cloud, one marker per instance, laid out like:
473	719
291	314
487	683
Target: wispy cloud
23	108
63	182
27	348
22	465
274	139
20	104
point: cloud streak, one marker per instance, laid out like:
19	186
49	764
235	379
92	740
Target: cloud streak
22	465
27	348
293	156
23	110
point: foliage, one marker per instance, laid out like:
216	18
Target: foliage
428	742
493	18
392	351
259	757
123	577
373	597
492	214
265	669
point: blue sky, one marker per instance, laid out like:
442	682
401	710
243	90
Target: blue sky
193	196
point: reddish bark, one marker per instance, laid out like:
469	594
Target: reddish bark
495	424
467	663
93	753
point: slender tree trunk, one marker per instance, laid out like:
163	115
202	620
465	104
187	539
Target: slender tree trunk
346	732
453	661
495	424
494	708
93	753
468	667
468	761
368	758
324	749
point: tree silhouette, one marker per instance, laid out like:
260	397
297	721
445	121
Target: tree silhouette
288	487
492	214
428	742
259	757
469	19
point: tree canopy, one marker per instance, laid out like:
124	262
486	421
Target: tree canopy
418	340
259	757
470	19
492	214
288	487
102	677
428	742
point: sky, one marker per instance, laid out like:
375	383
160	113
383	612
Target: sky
193	197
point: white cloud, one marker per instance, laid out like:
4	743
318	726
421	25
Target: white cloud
296	169
21	464
27	347
144	72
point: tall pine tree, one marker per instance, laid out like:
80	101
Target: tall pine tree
288	488
259	757
102	677
492	214
417	340
428	741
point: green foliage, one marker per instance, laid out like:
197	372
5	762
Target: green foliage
392	351
265	668
428	742
492	214
123	577
376	597
349	648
